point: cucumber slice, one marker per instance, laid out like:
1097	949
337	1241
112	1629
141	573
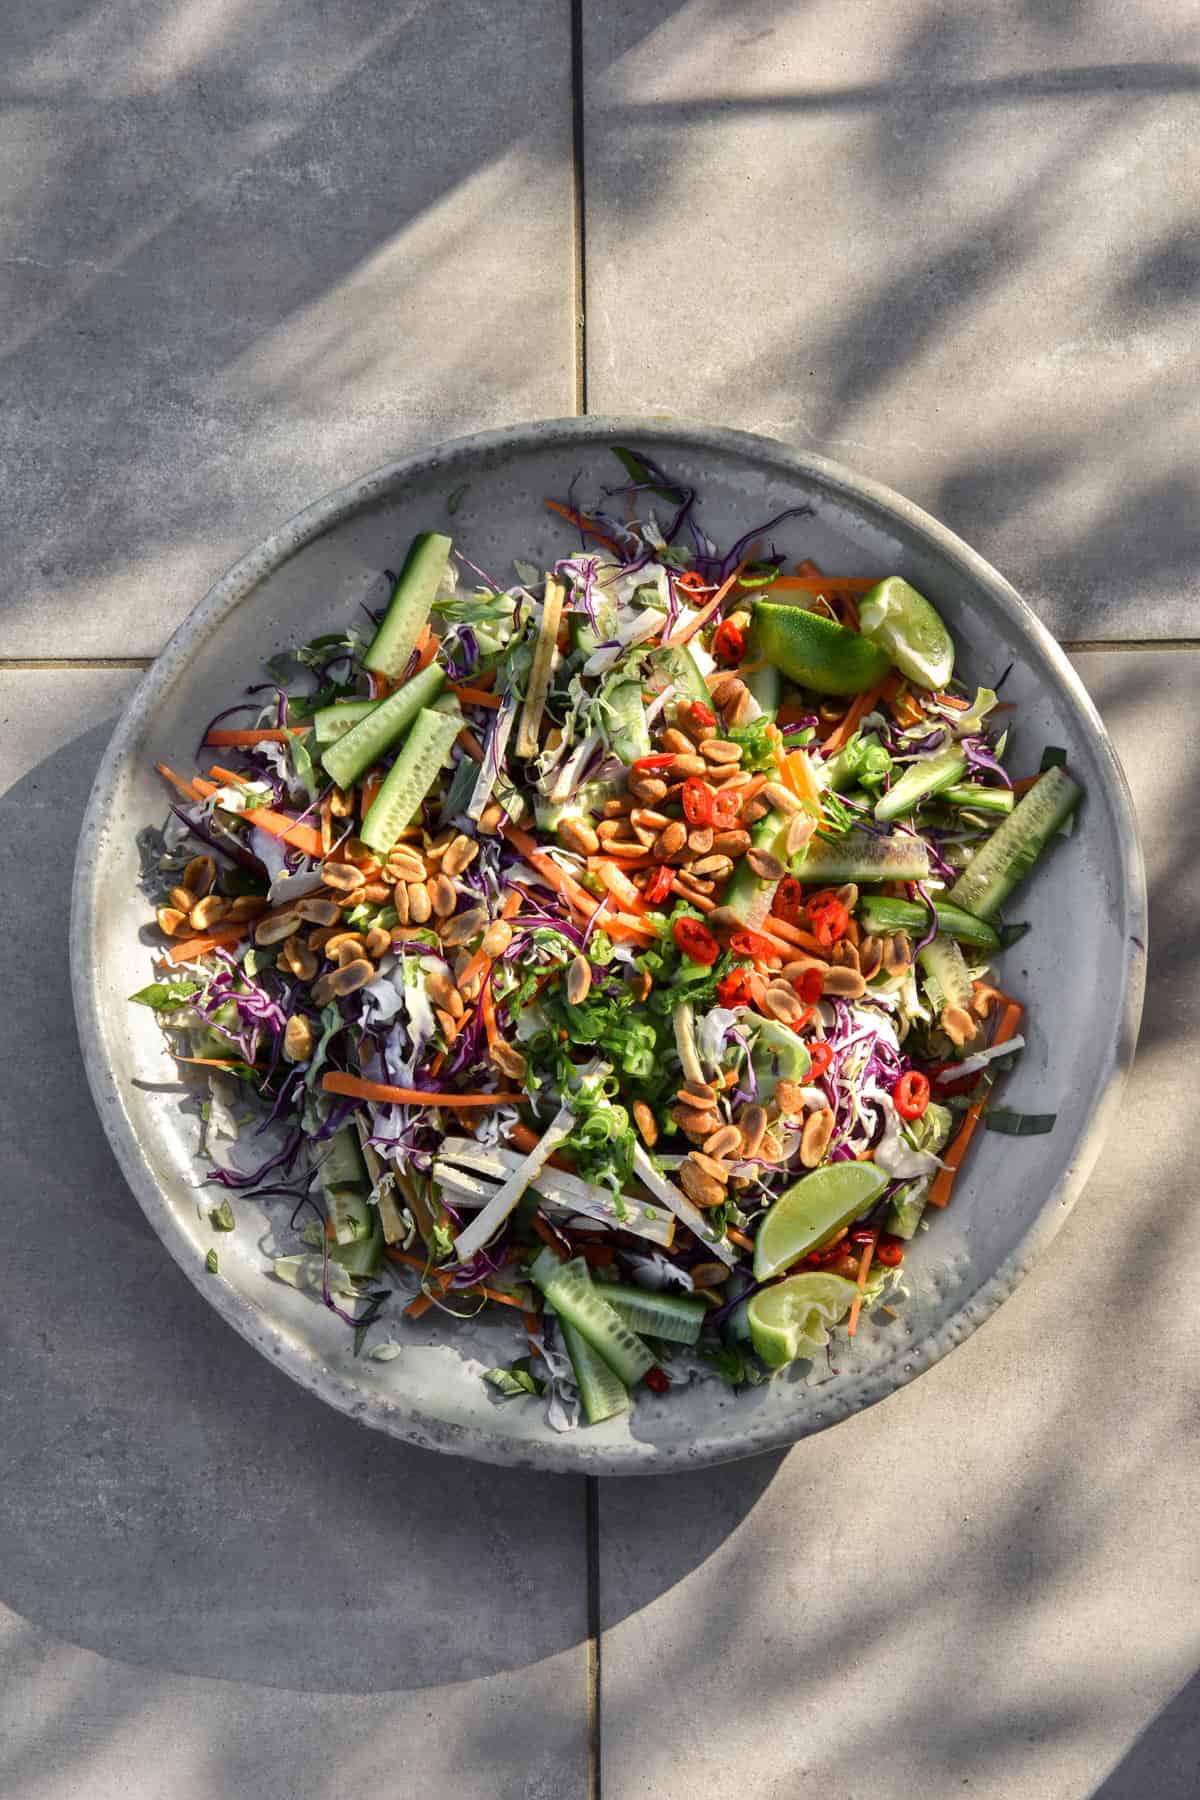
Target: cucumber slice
333	722
858	857
388	720
569	1289
345	1187
946	967
394	642
878	914
364	1255
602	1391
919	780
748	895
777	1055
1015	845
625	724
979	799
672	1316
908	1204
410	777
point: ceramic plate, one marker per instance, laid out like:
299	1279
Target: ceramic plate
1079	969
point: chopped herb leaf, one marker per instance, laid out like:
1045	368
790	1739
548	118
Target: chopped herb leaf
1017	1124
210	1262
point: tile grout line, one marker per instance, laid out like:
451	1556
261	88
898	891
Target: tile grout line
69	663
592	1509
578	212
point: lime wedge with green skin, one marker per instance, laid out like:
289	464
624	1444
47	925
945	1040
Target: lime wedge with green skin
904	624
813	1210
815	652
793	1318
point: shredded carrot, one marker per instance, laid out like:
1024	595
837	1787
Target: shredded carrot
905	710
354	1087
302	837
481	962
855	713
795	773
427	646
588	526
470	744
219	1062
1026	782
617	883
189	949
808	567
701	902
245	740
547	1233
487	1012
839	586
474	696
618	925
739	1238
688	631
953	700
178	783
943	1181
370	787
864	1269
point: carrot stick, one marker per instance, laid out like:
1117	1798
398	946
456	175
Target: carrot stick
245	740
218	1062
570	889
354	1087
739	1238
855	713
487	1012
474	696
943	1181
470	744
864	1268
588	526
481	962
370	787
178	783
617	883
428	645
302	837
1026	782
701	902
189	949
837	585
688	631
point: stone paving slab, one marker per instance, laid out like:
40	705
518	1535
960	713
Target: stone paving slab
211	1584
988	1584
247	253
955	248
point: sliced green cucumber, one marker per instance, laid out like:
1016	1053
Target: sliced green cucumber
861	756
394	642
946	968
569	1289
364	1254
353	754
602	1391
777	1055
919	781
859	857
342	1162
410	777
676	1317
333	722
748	895
625	724
879	914
978	799
1015	845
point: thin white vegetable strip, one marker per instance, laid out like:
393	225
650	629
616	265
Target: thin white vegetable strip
681	1206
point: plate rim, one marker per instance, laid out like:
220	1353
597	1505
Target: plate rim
573	1453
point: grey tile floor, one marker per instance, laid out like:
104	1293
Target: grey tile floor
246	252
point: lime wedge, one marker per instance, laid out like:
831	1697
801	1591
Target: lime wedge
903	623
793	1318
815	652
812	1210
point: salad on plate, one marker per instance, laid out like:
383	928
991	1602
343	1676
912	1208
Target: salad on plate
610	945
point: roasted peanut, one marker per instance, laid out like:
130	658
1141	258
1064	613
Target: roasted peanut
343	877
897	953
579	980
379	942
405	864
207	912
491	819
789	1098
299	958
731	843
400	902
461	854
443	895
250	906
466	926
578	835
200	874
182	899
725	1142
670	841
646	1123
700	1187
801	827
697	1094
351	976
814	1142
844	984
784	1004
870	957
720	750
341	803
170	920
694	1124
508	1060
297	1039
781	798
959	1025
647	788
419	904
316	910
686	765
497	937
709	1275
274	930
752	1125
676	741
708	1165
765	866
